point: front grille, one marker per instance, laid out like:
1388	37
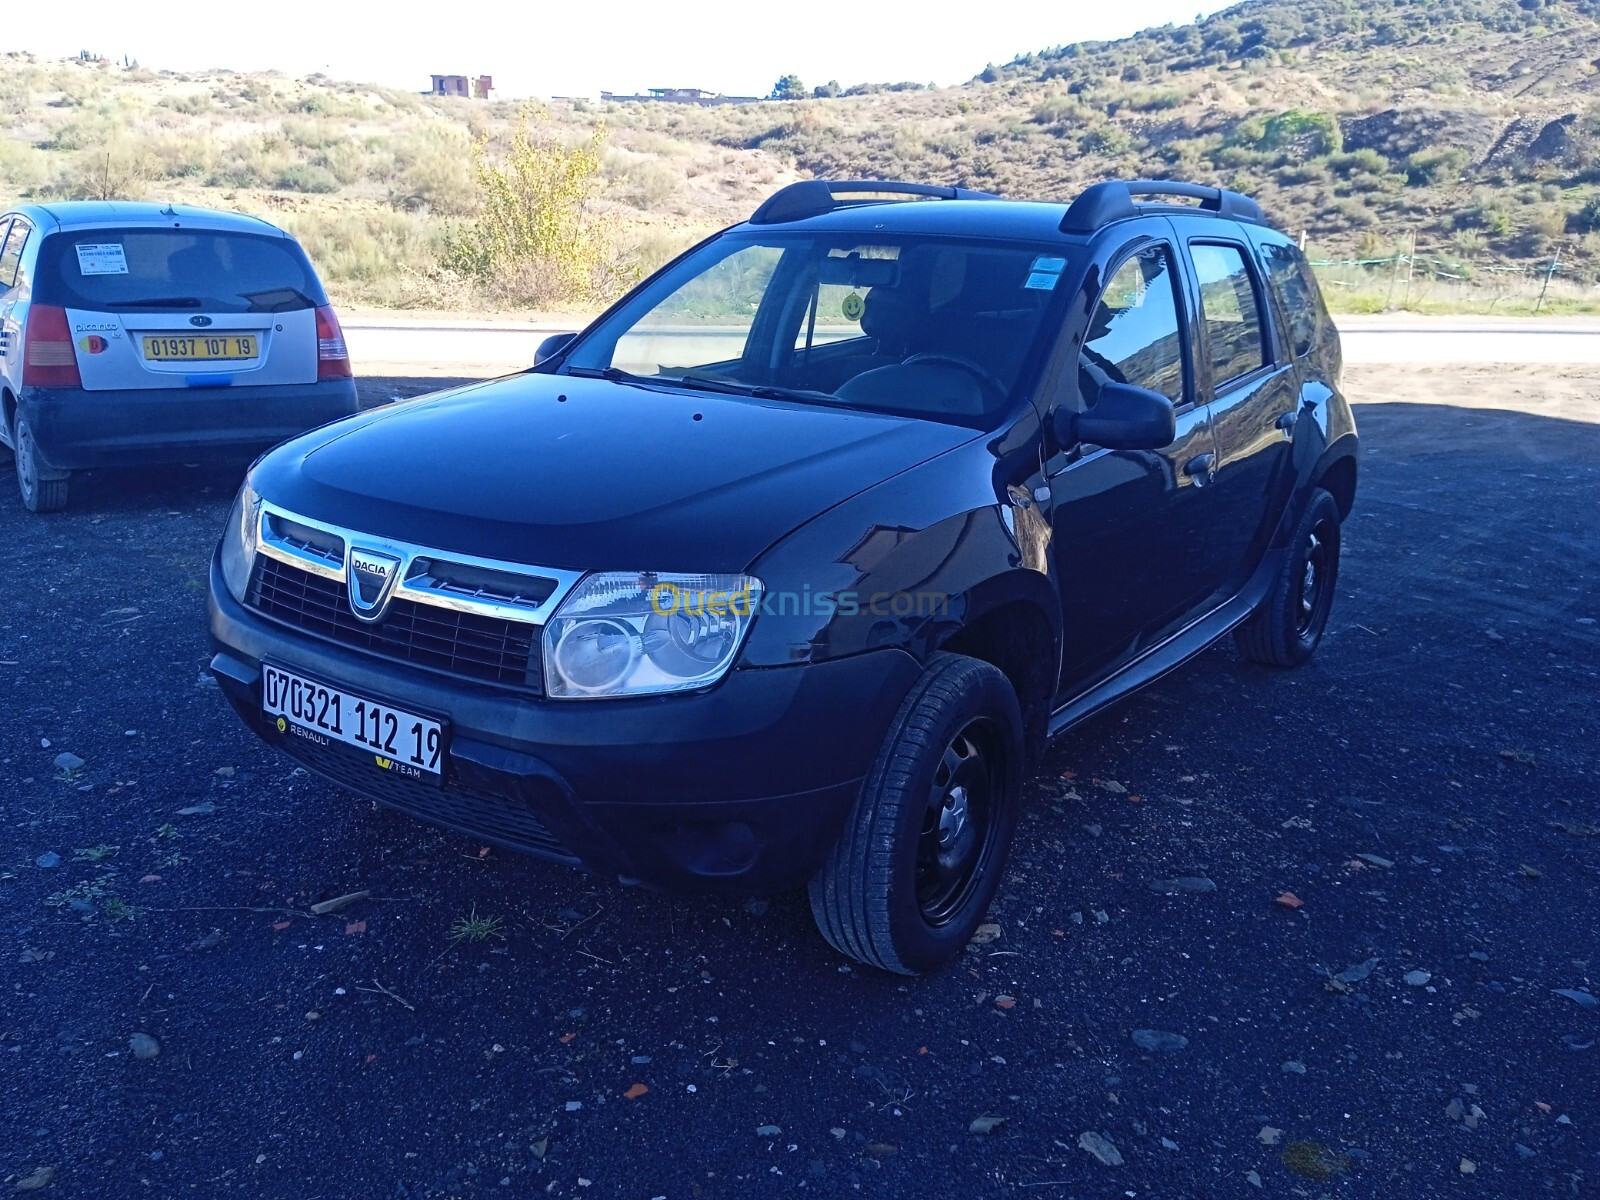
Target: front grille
487	815
466	645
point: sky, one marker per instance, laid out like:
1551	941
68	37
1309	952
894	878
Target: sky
566	48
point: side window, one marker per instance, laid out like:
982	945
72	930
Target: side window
1298	295
1135	336
1234	340
11	251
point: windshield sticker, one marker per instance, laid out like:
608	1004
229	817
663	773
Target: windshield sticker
853	307
1049	266
102	258
1042	281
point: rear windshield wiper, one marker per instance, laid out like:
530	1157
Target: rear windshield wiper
157	302
760	391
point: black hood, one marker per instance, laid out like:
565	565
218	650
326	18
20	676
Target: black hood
589	474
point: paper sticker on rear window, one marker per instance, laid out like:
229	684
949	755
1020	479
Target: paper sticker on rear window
1042	281
102	258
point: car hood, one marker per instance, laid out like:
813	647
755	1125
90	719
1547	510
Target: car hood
589	474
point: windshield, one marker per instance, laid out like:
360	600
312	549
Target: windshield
930	327
132	269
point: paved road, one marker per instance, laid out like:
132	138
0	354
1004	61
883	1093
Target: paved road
1428	787
468	347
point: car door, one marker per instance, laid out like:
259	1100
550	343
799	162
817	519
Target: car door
1129	526
1251	386
10	332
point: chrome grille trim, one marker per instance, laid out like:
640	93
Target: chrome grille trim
418	566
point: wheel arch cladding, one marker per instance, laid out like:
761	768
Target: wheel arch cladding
1018	638
1338	479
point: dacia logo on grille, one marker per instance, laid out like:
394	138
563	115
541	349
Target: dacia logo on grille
199	322
370	576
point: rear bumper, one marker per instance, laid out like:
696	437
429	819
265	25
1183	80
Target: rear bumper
77	429
740	789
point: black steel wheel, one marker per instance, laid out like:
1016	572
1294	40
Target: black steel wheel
1286	630
921	856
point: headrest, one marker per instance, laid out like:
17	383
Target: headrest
889	316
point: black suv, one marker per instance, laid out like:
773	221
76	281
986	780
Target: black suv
784	570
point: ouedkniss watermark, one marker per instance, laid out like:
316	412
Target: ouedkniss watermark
667	599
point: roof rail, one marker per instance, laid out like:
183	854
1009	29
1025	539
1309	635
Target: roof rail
1115	201
813	197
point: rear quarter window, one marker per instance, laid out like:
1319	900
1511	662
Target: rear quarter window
133	269
1304	313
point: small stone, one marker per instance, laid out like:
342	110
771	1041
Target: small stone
768	1131
1523	1151
48	859
1478	956
1100	917
1159	1041
837	1132
985	934
1253	1178
1168	1144
1269	1136
1581	999
1468	1167
1373	860
1417	978
1294	1067
574	1105
144	1046
32	1183
69	762
756	906
1193	884
1101	1148
1358	972
641	1060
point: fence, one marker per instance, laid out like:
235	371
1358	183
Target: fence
1420	282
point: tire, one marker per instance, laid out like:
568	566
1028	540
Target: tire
43	490
1286	630
921	855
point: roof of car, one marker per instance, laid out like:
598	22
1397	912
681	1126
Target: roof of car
1013	220
89	214
865	206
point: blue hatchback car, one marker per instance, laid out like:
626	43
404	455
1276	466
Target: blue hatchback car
133	334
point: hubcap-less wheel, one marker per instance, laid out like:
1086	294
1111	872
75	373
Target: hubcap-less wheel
957	826
1314	589
27	478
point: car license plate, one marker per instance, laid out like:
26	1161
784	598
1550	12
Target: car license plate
209	348
395	740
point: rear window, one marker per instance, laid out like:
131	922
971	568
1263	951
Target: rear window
1303	310
163	269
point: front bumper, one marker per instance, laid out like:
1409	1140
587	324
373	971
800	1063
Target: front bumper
742	788
78	430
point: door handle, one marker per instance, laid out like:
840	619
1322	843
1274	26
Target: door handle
1201	465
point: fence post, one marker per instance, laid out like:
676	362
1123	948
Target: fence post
1555	264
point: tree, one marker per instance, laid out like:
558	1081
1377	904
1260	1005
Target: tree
788	88
827	91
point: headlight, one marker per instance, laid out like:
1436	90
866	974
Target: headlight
625	634
239	541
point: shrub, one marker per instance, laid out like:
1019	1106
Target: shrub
1358	161
535	234
306	177
435	172
1438	167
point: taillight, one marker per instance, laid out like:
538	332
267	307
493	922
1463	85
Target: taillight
333	360
47	356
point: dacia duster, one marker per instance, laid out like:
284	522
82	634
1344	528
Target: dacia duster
785	569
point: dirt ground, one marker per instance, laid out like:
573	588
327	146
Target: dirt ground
175	1020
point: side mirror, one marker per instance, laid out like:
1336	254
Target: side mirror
552	346
1124	418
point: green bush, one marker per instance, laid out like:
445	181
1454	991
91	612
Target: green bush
1438	167
306	177
535	235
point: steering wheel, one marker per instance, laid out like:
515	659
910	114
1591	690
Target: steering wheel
979	372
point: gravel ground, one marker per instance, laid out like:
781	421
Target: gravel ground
1301	932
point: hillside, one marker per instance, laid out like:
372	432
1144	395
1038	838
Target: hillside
1468	125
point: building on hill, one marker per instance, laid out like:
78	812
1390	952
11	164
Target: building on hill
462	85
681	96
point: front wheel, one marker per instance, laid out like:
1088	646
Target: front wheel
43	490
921	856
1288	627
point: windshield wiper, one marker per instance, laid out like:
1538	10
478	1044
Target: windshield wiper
616	374
760	391
158	302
